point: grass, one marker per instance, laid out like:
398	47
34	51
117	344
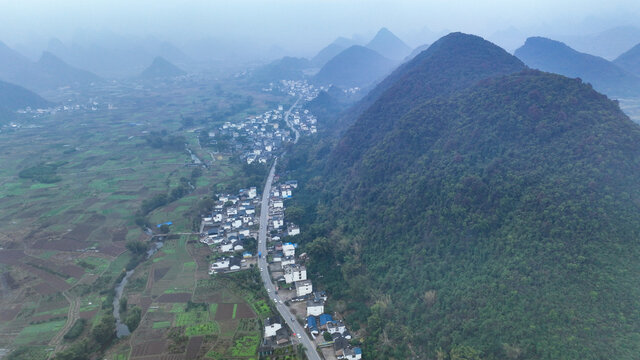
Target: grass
212	310
189	318
208	328
161	324
235	307
93	264
244	346
177	308
39	333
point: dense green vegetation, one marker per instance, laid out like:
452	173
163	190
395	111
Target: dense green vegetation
162	140
76	330
43	172
499	222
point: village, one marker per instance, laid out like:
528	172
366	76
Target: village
231	229
259	138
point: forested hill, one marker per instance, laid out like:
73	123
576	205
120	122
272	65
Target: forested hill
456	61
554	56
491	223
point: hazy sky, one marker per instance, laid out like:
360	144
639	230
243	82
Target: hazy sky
304	25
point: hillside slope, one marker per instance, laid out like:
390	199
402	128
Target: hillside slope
454	62
630	60
554	56
14	97
356	66
493	221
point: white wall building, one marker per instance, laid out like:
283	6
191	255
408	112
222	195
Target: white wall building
303	288
288	249
293	273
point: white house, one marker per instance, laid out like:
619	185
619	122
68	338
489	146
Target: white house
236	223
286	193
278	204
335	327
226	246
293	273
288	249
217	217
222	264
303	288
315	307
244	231
271	326
278	222
293	230
253	192
232	211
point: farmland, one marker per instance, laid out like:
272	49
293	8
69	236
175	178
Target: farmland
73	186
208	318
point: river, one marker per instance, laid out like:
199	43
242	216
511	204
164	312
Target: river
121	328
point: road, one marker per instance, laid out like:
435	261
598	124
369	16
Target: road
286	119
286	315
72	317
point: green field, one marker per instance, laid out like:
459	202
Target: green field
246	345
161	324
208	328
39	333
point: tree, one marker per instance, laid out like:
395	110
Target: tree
327	336
105	331
165	229
133	318
137	247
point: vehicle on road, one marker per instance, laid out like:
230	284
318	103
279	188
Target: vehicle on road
299	336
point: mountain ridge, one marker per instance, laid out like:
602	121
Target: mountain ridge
554	56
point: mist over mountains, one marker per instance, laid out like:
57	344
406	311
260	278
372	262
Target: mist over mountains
450	195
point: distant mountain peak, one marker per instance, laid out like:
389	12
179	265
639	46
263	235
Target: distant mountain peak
356	66
161	67
388	44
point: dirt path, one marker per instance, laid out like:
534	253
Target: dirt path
72	317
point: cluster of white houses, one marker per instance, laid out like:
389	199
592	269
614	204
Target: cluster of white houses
232	220
294	276
296	88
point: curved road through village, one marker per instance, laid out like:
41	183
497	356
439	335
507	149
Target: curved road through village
284	311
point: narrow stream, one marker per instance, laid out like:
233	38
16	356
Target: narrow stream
121	328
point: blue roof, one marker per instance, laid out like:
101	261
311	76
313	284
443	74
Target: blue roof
167	223
357	351
324	318
311	322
